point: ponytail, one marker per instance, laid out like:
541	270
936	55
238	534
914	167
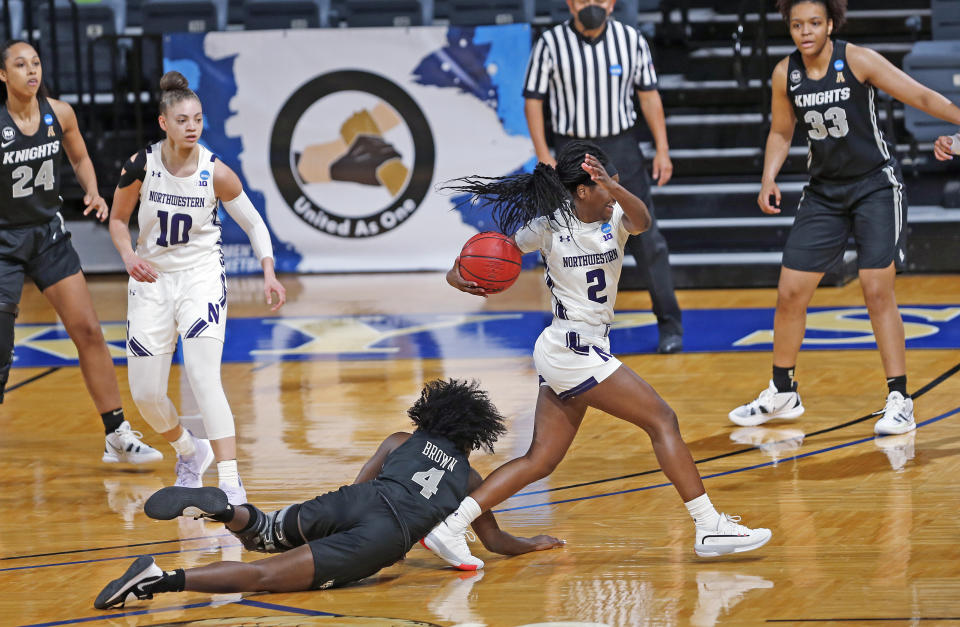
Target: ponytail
517	199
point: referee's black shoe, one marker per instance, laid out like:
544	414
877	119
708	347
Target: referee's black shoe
670	343
170	502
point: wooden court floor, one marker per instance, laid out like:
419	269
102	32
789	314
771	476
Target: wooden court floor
865	531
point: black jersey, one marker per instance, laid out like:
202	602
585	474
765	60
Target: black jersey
424	479
30	170
839	115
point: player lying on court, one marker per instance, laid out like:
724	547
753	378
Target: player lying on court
579	217
409	485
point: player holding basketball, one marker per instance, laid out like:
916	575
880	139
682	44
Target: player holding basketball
34	242
178	284
579	218
855	188
410	484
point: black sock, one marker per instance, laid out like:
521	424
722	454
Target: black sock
112	420
225	517
898	384
171	581
783	379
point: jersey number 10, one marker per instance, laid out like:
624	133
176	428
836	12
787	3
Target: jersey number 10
177	228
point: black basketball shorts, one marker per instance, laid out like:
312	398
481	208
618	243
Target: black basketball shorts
41	251
353	533
873	210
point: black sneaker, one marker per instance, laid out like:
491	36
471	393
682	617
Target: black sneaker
170	502
143	571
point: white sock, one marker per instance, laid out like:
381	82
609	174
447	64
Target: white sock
702	511
184	444
228	472
468	512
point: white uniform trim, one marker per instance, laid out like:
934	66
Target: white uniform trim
897	203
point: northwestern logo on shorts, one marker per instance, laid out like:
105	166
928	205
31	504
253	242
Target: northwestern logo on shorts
352	154
616	70
796	76
838	65
48	119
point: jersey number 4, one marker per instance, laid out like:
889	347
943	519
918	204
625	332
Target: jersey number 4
24	174
177	228
428	480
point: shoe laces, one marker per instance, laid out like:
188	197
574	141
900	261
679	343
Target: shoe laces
764	400
127	435
185	469
894	407
731	524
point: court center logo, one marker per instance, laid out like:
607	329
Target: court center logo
352	154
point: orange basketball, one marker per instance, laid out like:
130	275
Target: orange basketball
490	260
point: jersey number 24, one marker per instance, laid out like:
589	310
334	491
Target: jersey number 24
24	174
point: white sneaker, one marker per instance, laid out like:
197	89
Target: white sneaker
124	446
899	449
451	547
190	469
729	537
236	495
769	405
129	586
897	416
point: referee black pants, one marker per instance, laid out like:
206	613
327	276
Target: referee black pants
649	249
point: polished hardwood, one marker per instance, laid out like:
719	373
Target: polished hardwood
863	529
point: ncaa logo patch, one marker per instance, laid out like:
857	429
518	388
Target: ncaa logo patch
8	133
48	119
605	227
616	70
352	154
204	175
796	76
838	65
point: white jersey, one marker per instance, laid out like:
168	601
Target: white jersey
179	227
583	264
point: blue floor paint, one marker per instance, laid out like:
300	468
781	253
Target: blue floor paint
502	334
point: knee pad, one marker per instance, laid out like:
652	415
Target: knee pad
267	533
8	314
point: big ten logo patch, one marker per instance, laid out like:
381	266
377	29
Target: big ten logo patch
352	154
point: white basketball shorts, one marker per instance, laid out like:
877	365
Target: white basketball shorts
189	303
572	363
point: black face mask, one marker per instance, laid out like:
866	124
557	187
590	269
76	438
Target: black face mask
592	16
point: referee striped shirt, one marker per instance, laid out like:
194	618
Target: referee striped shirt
590	83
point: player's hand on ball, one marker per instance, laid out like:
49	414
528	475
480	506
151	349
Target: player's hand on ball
544	543
943	147
457	281
139	269
272	286
94	202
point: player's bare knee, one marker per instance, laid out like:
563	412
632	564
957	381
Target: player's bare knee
540	466
86	333
877	296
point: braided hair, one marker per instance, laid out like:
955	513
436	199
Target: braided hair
836	10
517	199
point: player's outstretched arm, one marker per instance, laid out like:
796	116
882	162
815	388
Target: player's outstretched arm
782	122
76	150
373	466
496	540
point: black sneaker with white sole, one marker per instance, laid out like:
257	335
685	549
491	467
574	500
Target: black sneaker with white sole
142	572
171	502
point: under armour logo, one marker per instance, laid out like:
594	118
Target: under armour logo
566	238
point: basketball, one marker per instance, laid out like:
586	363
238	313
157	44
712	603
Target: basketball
491	260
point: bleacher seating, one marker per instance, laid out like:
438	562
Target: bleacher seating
94	20
14	29
476	12
945	19
936	64
193	16
383	13
264	14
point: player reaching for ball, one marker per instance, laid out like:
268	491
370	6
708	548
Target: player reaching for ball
579	217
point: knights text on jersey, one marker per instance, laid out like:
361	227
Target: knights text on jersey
30	171
583	263
179	227
838	115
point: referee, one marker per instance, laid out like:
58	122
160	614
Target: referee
587	68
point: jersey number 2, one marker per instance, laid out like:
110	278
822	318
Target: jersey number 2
593	292
428	480
24	174
178	228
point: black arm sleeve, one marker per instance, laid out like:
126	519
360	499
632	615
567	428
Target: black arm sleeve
134	170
